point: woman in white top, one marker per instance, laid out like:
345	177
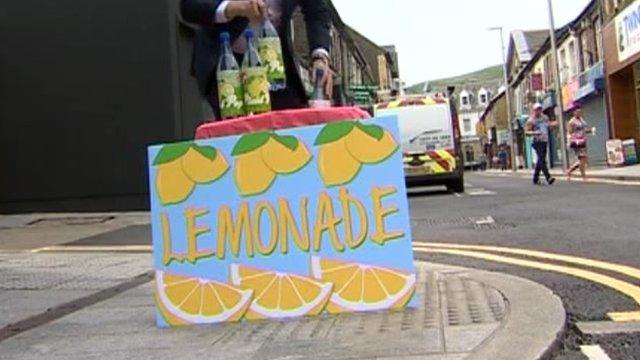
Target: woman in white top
577	133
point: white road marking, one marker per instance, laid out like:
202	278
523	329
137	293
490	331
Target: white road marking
485	221
457	194
594	352
480	192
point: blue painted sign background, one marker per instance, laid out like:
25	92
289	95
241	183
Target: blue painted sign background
379	264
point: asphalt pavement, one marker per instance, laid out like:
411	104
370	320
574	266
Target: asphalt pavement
584	220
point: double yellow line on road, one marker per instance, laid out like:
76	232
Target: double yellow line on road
496	254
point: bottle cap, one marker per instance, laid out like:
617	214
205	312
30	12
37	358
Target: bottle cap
249	33
225	37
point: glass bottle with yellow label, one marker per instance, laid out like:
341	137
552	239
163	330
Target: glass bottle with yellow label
230	90
256	86
270	49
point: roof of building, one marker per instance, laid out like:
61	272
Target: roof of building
561	35
526	44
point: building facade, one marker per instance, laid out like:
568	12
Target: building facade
472	102
532	79
349	63
621	43
381	62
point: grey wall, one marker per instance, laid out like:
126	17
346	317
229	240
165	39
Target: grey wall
84	88
595	115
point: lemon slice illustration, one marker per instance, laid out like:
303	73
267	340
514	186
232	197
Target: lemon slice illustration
361	287
188	300
280	295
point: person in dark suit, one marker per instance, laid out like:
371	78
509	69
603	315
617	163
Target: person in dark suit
233	16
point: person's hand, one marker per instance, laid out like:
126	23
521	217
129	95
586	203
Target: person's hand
327	80
254	10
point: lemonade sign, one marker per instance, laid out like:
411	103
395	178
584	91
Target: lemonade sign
274	225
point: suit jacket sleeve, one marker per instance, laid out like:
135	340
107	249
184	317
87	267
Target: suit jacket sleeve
318	19
201	12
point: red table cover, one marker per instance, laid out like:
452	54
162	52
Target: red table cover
278	120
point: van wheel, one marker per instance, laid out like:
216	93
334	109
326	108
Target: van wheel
456	186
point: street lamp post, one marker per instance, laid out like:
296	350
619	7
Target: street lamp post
558	88
514	166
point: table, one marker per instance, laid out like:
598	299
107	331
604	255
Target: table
278	120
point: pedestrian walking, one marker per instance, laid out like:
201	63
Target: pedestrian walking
503	155
538	127
577	134
234	16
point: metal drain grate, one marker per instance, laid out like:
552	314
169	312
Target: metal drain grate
70	220
494	226
475	223
469	302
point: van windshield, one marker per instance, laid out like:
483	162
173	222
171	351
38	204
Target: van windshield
423	128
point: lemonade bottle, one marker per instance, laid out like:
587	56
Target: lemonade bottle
230	91
270	49
256	85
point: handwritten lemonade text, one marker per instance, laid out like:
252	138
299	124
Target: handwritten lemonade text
267	227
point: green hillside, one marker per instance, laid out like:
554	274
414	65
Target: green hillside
490	74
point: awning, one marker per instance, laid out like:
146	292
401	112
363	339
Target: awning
591	82
549	101
590	88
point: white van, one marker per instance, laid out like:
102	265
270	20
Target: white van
430	138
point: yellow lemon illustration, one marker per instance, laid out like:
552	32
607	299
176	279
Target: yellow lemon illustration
252	175
227	90
201	169
336	165
368	149
186	300
280	295
172	184
283	160
257	87
361	287
269	55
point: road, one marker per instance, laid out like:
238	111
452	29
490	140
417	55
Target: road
591	221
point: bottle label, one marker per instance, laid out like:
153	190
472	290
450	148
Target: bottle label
230	94
256	90
270	50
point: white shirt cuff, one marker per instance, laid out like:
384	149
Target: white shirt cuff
321	52
221	18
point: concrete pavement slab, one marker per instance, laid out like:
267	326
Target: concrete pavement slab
33	231
32	283
122	327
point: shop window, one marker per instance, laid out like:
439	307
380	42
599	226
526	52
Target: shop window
469	153
466	125
572	60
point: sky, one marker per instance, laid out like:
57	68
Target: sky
438	39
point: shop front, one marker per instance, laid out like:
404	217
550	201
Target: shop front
590	96
587	92
622	68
